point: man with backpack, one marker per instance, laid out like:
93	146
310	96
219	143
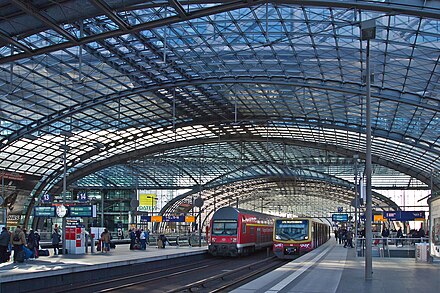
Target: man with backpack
18	239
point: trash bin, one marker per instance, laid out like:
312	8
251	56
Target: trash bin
422	252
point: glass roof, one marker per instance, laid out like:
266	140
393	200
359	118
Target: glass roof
204	92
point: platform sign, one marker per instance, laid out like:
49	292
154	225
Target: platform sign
174	219
47	212
81	211
156	219
145	219
340	217
190	219
46	198
403	215
82	196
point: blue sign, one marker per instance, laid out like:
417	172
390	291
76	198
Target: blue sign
340	217
47	212
82	196
403	215
145	219
173	219
46	198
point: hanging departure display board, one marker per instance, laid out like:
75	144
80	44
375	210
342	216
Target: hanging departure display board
44	211
82	211
340	217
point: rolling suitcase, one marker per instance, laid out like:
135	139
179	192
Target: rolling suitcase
20	256
43	252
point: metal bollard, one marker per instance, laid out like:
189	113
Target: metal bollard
92	244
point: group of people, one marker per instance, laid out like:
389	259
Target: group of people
344	236
18	241
139	238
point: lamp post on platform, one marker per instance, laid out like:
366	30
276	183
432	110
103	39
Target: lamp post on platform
368	32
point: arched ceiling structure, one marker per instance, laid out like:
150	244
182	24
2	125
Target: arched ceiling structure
209	95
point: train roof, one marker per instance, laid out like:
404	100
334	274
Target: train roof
232	213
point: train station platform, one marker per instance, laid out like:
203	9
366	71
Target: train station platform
334	269
74	263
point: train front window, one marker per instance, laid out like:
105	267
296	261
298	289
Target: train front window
226	228
291	230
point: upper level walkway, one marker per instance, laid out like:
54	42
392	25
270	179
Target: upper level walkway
334	269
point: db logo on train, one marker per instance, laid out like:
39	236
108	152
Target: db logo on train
305	245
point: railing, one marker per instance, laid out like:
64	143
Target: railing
390	247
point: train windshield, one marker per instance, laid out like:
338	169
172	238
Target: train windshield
291	230
224	227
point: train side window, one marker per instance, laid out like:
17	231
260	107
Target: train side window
252	230
243	229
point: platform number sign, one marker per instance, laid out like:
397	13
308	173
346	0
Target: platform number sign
82	196
46	198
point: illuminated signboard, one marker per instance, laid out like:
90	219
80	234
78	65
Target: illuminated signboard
173	219
403	215
82	211
340	217
158	219
44	211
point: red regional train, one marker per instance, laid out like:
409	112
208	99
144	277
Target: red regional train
236	232
296	236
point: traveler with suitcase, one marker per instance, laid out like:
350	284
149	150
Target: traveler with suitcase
18	240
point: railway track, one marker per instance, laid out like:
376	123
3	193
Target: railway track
227	281
217	274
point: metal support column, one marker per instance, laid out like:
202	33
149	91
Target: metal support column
368	32
356	197
63	231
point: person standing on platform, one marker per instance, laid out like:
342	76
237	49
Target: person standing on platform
132	239
336	235
31	243
18	239
143	240
147	236
399	237
56	239
349	239
37	243
5	239
421	233
105	240
385	234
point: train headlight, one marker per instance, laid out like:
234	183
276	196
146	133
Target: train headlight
234	240
306	237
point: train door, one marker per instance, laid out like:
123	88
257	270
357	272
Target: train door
258	235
